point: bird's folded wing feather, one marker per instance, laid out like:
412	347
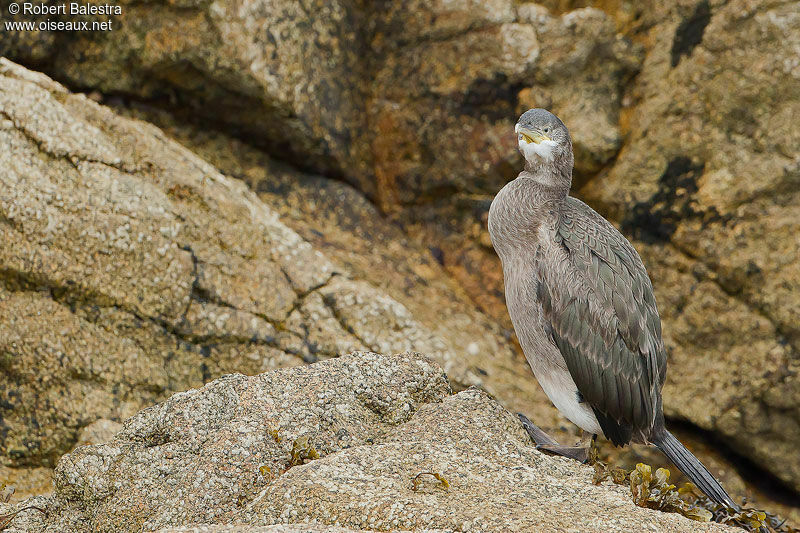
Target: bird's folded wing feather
598	304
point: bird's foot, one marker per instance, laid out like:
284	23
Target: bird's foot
582	452
579	453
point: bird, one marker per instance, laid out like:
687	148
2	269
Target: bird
582	306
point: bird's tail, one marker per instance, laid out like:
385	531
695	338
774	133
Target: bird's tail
692	467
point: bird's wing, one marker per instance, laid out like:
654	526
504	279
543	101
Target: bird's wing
598	302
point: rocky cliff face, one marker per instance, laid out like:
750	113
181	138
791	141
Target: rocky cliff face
132	269
372	137
709	185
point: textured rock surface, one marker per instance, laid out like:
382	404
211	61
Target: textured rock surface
252	66
122	254
229	453
440	123
392	93
98	432
202	455
27	482
339	221
497	481
132	269
278	528
709	185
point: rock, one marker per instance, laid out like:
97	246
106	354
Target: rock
98	432
134	269
340	221
116	241
244	431
372	92
32	481
26	482
253	66
279	528
707	184
442	123
473	443
340	442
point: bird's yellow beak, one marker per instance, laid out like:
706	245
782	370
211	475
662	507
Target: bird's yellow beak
531	136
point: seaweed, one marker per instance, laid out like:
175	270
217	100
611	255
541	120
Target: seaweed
266	473
303	451
602	472
276	436
416	481
747	518
654	491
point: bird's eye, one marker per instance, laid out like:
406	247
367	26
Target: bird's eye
546	130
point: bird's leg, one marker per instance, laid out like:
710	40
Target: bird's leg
537	435
581	452
589	441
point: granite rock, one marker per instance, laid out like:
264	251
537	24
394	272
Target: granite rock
132	269
354	442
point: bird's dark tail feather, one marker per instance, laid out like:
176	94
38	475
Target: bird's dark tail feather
692	467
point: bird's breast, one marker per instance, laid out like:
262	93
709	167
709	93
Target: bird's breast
515	224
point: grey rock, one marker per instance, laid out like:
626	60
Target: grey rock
306	527
98	432
238	453
373	92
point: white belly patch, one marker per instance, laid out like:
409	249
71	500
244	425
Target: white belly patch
561	389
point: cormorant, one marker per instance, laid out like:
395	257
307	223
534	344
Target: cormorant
582	306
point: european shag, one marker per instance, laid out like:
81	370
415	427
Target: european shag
582	306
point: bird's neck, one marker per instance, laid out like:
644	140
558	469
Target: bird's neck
554	175
543	188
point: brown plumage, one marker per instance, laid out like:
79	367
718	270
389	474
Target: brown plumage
582	303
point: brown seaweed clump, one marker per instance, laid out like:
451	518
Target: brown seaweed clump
654	491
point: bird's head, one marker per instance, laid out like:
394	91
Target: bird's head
545	143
